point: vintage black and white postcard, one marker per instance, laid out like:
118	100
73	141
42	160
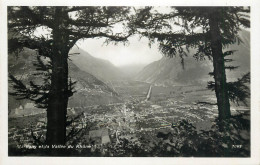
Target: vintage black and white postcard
157	83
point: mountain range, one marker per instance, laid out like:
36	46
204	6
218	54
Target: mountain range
169	71
93	75
90	90
102	69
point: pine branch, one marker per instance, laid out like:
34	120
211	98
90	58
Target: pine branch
211	73
73	132
41	66
37	140
21	90
228	60
231	67
238	91
206	103
28	17
71	87
211	85
69	122
43	46
36	93
230	52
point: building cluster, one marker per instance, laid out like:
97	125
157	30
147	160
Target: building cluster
109	123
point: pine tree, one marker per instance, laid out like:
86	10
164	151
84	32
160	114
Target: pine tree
67	25
217	28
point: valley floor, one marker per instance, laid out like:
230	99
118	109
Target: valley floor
165	125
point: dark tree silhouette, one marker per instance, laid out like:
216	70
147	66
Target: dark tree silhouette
207	29
66	25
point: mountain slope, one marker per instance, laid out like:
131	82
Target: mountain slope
89	89
102	69
168	71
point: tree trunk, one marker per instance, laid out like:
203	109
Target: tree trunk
219	67
58	95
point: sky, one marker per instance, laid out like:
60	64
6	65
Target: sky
137	52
